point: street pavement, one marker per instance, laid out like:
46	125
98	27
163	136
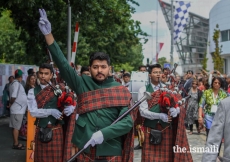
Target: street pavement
195	141
7	154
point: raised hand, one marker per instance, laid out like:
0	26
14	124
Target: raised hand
44	24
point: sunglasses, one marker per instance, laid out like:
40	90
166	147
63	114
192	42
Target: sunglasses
194	84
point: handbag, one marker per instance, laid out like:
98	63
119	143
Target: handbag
155	136
45	135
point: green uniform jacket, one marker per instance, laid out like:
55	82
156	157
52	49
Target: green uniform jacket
91	122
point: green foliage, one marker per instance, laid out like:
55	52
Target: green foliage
125	66
12	49
204	62
217	59
105	25
162	60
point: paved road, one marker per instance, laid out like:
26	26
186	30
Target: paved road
195	140
9	155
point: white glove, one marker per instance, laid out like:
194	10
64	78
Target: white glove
163	117
44	23
174	111
55	113
69	110
97	138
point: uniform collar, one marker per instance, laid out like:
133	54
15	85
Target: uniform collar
155	87
43	86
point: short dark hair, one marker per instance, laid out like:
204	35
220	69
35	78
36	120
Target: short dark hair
46	66
10	77
165	69
84	68
151	67
190	71
142	66
219	79
30	72
99	56
126	74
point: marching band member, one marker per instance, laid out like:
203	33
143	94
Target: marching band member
42	104
156	124
93	125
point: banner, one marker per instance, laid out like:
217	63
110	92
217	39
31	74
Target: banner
160	45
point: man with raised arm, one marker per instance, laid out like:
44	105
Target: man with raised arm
100	101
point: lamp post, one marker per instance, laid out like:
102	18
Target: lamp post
152	39
172	30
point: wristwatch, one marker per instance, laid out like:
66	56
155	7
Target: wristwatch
200	116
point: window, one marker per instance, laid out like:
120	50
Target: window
224	35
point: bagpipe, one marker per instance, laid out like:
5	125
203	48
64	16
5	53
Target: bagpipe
169	96
62	91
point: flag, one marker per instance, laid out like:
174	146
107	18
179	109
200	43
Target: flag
180	18
160	45
162	3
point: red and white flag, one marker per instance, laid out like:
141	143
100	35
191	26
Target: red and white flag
160	45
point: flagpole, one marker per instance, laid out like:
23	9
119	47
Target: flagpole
157	50
152	41
69	33
172	30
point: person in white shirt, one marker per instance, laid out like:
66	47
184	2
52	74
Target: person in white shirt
18	104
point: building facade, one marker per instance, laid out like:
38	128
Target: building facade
220	14
192	44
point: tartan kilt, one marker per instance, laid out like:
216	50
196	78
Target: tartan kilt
83	157
158	153
51	151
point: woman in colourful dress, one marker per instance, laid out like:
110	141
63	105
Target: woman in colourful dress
210	100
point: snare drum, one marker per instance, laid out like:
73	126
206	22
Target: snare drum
138	80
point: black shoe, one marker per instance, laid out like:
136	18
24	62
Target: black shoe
138	147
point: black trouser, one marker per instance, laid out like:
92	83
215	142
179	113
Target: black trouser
191	125
207	132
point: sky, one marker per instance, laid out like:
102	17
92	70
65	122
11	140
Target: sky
147	12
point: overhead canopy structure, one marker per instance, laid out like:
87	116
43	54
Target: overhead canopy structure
192	44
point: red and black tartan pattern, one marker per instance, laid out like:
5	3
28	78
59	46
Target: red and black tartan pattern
155	98
92	156
42	96
51	151
158	153
103	98
181	138
127	154
68	136
175	136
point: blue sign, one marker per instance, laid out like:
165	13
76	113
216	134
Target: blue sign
167	65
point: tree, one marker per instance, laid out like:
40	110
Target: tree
217	59
104	26
12	49
125	67
204	62
162	60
